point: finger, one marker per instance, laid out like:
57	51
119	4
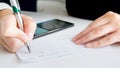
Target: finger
102	42
98	32
97	23
29	26
16	33
6	46
3	43
13	44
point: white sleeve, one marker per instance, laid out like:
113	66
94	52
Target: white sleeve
4	6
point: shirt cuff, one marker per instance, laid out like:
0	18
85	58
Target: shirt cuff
4	6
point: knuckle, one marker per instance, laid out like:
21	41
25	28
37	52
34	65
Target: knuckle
5	32
13	48
111	27
83	40
13	45
88	37
110	12
97	31
114	15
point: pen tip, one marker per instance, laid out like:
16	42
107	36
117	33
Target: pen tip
28	47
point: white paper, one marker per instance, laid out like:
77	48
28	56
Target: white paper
45	51
55	49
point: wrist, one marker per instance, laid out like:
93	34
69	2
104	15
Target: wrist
5	12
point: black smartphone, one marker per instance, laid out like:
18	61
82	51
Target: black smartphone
51	26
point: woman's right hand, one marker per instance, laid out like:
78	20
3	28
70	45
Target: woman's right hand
11	37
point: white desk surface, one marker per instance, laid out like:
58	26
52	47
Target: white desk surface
101	60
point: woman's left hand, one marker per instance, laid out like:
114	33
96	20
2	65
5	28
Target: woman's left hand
102	32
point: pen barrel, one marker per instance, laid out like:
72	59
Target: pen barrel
20	21
16	9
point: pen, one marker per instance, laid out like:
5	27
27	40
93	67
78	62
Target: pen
16	10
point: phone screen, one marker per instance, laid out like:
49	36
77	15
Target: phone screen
51	26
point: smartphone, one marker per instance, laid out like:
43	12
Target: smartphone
51	26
